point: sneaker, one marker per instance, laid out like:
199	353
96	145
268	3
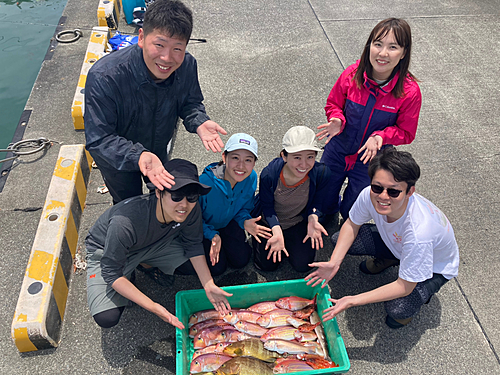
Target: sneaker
375	265
397	323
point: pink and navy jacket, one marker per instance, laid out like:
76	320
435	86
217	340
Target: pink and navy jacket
371	110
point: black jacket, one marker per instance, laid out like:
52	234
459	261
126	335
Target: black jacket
127	113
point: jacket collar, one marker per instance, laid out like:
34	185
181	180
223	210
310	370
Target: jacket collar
370	84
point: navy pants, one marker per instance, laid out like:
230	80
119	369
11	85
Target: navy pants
301	254
369	242
358	179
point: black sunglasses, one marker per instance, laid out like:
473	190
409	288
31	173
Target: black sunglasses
393	193
191	198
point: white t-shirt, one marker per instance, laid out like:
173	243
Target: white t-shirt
422	239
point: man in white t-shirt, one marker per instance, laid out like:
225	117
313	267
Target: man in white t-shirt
409	231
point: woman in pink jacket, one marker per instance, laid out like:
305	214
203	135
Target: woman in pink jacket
375	102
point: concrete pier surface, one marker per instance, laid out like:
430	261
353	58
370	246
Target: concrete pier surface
267	66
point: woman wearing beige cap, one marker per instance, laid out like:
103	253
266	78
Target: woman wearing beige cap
291	192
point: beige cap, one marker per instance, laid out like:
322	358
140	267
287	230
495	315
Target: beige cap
300	138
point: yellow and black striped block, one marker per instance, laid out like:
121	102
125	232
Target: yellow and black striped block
108	13
95	50
42	300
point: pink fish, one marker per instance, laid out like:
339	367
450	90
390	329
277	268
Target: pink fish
250	328
208	336
201	316
290	347
248	316
295	321
305	312
214	348
305	336
208	362
232	335
198	327
291	365
294	303
282	333
274	318
263	307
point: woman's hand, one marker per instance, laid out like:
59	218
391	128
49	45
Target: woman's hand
315	231
276	244
215	249
371	147
257	230
330	129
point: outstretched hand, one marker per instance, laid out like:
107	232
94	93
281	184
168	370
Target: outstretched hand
209	135
325	272
339	305
330	129
257	230
370	148
315	231
166	316
152	167
218	297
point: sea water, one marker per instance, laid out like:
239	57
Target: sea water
26	28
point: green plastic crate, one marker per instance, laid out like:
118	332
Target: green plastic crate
191	301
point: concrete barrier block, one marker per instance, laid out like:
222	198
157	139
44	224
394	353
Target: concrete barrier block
42	301
108	13
95	50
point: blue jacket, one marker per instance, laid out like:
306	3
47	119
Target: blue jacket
318	187
224	204
127	113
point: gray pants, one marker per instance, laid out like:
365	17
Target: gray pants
166	255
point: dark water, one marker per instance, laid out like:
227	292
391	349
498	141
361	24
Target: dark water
25	31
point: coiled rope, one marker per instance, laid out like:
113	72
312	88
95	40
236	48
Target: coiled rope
36	145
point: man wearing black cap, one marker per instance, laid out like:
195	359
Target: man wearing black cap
163	230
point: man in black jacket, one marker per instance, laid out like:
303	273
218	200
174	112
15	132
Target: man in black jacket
134	97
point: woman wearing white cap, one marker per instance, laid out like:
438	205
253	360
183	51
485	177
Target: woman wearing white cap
291	192
226	209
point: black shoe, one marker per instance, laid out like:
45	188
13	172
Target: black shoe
157	275
397	323
374	266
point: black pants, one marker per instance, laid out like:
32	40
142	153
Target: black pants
235	252
122	185
301	254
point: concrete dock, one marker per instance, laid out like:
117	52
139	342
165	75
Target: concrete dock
267	66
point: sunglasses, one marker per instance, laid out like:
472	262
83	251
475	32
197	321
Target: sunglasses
191	198
393	193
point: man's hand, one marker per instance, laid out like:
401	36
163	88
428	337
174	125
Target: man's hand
217	297
276	244
371	147
339	305
166	316
257	230
152	167
325	272
314	232
330	129
209	135
215	249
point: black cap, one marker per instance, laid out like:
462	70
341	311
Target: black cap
185	173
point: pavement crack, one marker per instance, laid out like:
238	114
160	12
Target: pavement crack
478	321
